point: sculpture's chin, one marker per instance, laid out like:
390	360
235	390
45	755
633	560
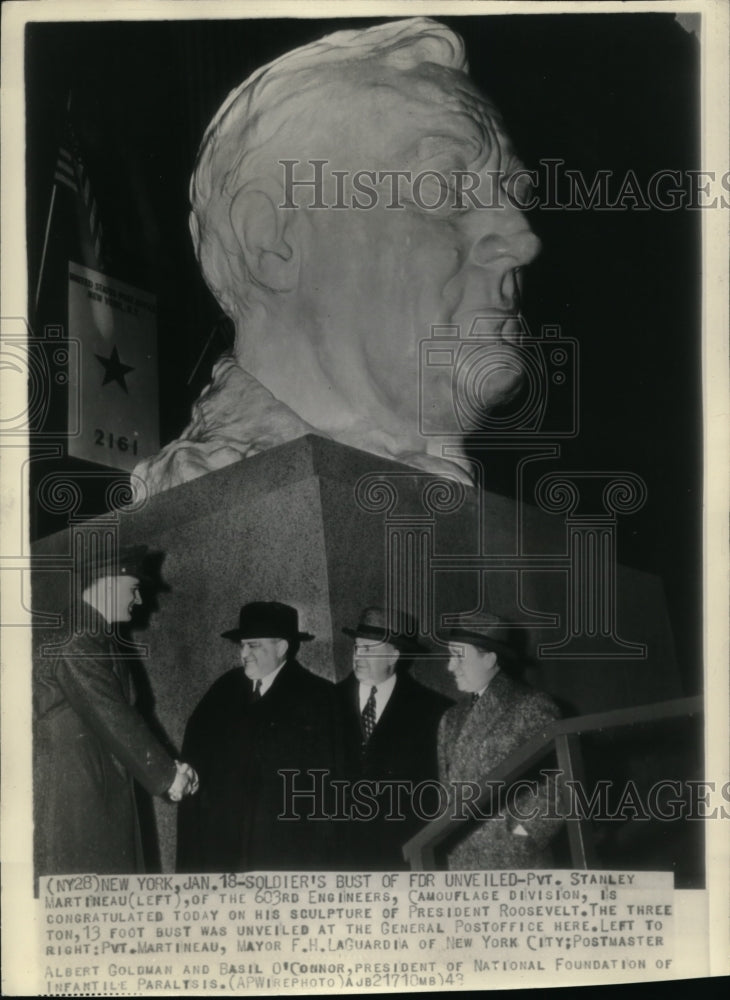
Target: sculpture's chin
501	388
492	392
460	412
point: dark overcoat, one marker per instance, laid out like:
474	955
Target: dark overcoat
472	741
90	744
238	746
402	747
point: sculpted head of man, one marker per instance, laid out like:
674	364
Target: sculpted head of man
333	283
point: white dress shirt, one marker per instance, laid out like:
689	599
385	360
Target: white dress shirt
383	691
267	681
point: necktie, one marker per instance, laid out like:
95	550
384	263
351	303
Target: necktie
257	689
474	698
368	716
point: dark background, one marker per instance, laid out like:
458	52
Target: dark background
601	92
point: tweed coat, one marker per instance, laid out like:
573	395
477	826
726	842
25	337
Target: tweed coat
472	740
90	744
402	747
238	745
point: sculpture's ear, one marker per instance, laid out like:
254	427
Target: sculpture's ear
266	238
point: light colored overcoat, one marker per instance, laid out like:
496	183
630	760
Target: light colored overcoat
472	741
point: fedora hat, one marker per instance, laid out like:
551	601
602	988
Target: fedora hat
397	628
127	561
491	637
267	620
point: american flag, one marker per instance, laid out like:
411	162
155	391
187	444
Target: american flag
72	173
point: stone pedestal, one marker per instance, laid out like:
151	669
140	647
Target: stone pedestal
330	529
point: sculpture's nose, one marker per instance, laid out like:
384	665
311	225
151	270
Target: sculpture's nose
515	249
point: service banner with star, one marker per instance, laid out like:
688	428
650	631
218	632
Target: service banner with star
114	388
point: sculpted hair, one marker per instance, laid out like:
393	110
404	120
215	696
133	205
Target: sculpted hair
278	105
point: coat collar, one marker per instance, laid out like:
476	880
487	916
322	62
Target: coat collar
490	703
287	673
500	687
94	626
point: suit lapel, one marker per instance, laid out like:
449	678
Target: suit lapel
455	726
109	649
474	748
352	703
281	687
120	669
393	709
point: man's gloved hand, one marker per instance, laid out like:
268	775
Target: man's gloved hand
185	783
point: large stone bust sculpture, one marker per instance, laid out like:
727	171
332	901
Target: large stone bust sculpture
334	285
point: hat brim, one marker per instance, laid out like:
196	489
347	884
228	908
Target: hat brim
110	572
236	634
480	641
404	644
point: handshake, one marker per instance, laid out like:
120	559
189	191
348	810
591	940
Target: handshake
185	783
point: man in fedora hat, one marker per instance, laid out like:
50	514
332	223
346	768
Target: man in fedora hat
90	743
498	715
389	725
265	716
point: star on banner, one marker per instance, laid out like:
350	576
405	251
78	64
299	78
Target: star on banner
114	369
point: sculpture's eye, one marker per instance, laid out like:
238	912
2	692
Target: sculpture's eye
518	188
